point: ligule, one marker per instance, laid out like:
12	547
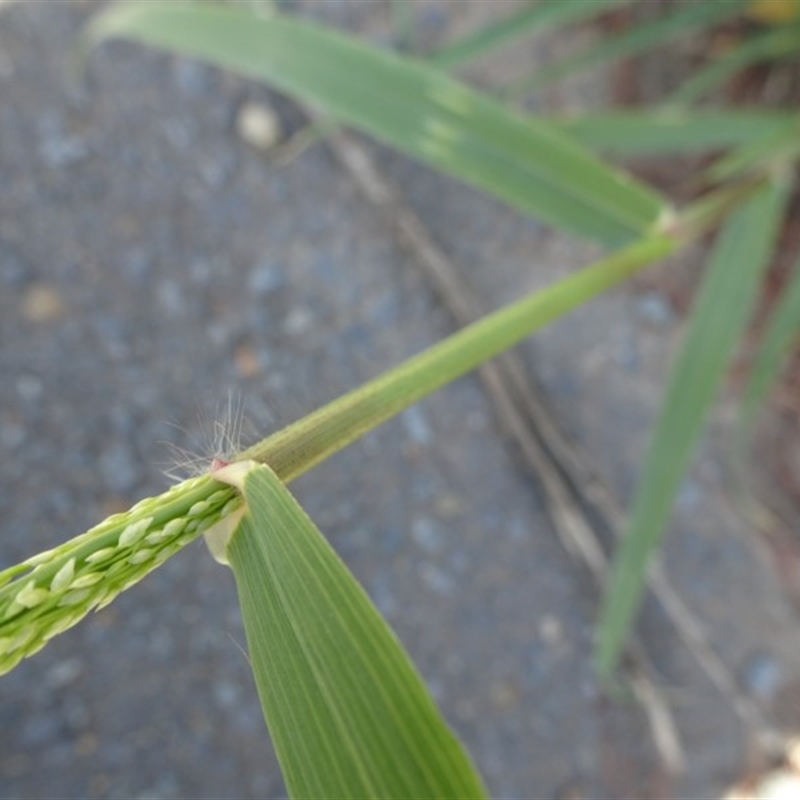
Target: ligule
52	591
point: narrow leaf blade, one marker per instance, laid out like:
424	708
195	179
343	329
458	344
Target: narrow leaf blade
720	312
536	16
673	132
782	331
765	46
409	105
778	146
639	38
348	713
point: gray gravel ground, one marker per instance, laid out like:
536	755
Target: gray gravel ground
150	263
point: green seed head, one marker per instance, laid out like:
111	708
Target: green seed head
52	591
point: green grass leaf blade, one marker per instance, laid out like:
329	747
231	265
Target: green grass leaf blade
409	105
720	313
778	147
638	39
536	16
767	46
781	333
348	713
673	132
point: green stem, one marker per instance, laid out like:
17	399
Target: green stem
704	214
300	446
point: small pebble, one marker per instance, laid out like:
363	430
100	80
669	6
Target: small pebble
219	333
62	151
761	675
427	535
550	629
264	278
416	425
170	296
436	580
86	745
655	309
42	303
63	673
298	321
447	505
259	126
503	695
247	362
225	693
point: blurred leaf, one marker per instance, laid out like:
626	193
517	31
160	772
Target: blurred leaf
639	38
405	103
348	713
673	131
721	311
775	149
537	16
781	333
767	46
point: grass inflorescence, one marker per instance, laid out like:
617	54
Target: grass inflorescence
50	592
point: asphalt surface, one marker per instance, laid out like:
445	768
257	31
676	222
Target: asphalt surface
151	263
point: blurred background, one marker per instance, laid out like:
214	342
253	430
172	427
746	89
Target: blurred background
155	259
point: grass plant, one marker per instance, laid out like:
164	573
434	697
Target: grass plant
348	713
